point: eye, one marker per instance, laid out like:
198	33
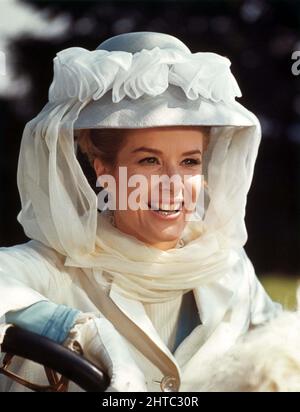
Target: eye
149	160
192	162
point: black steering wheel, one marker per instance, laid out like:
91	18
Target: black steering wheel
55	358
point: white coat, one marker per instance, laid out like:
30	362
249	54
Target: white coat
31	272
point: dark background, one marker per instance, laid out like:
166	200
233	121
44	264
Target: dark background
257	36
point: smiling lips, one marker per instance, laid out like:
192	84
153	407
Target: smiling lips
166	209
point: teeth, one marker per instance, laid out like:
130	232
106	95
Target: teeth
166	206
154	206
166	213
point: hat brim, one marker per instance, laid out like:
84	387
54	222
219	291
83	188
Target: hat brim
171	108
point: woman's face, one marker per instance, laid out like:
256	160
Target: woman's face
146	156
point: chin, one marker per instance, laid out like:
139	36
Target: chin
167	235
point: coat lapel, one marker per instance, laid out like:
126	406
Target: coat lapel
130	319
134	310
213	301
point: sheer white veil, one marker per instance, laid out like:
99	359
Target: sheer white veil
134	80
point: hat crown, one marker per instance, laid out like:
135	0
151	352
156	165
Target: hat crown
136	41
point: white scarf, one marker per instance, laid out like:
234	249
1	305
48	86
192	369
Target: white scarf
149	274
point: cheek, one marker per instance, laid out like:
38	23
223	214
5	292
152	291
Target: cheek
133	186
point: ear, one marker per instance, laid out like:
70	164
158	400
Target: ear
99	167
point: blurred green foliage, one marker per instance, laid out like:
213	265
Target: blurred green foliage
282	288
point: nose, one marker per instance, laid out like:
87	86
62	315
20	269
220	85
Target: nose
171	169
171	181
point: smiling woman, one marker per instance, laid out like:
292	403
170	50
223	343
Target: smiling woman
145	293
174	151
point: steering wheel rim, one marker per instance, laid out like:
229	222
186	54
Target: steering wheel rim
44	351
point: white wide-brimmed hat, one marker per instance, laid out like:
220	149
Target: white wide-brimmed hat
135	80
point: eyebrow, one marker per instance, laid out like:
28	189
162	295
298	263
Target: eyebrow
151	150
